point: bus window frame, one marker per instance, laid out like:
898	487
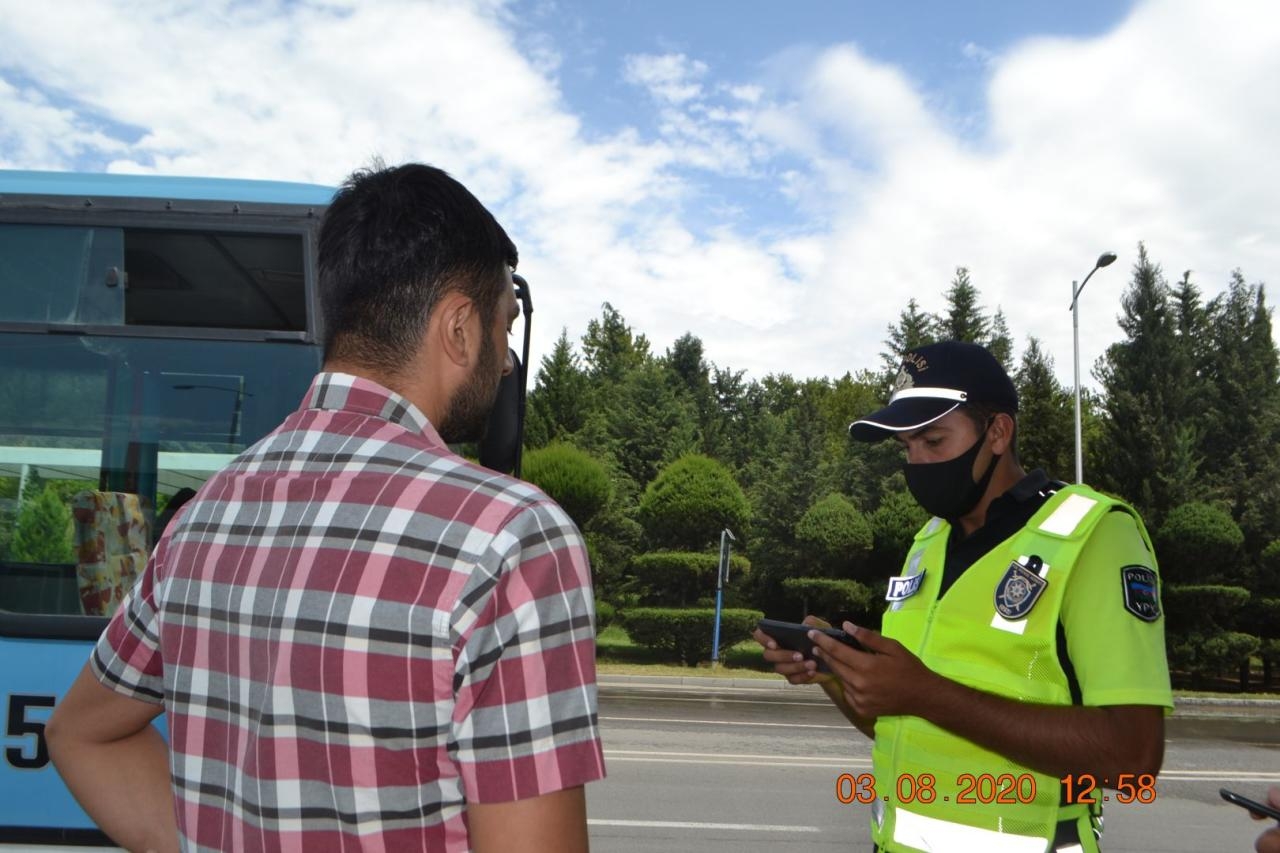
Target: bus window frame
266	218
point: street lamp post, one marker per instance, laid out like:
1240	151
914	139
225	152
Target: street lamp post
1104	259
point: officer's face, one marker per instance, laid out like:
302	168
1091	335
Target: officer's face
942	440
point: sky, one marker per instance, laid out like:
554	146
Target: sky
778	178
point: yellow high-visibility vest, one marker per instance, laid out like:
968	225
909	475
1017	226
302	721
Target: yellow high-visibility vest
995	630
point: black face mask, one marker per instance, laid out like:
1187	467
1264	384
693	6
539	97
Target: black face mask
946	489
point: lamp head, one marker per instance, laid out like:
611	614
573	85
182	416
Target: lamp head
1105	259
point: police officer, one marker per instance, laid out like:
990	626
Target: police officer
1021	669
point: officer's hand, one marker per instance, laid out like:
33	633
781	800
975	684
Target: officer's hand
1269	841
791	665
885	680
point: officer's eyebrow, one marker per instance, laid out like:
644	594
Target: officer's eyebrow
919	433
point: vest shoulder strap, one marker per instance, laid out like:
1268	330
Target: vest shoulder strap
1074	511
931	527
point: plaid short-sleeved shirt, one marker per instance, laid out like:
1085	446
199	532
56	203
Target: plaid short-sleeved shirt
355	632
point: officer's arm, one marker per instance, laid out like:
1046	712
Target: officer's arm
1058	740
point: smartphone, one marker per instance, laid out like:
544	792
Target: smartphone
795	636
1245	802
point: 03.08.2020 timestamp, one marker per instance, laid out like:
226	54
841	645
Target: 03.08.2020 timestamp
1003	789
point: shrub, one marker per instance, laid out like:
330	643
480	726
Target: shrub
676	578
573	479
828	597
1269	570
605	614
1199	543
1261	616
893	526
1210	655
687	634
835	535
613	540
1202	609
42	532
690	502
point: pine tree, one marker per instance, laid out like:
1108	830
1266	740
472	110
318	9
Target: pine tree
1243	400
965	320
611	348
558	403
1046	415
914	328
1149	449
1000	342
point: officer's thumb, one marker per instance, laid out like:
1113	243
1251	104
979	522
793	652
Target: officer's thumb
870	640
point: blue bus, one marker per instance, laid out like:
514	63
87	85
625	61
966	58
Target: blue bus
150	329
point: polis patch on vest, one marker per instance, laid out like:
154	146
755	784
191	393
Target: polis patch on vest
1140	597
1018	591
903	587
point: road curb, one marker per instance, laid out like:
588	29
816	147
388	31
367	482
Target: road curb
1190	705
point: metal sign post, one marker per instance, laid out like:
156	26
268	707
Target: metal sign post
722	576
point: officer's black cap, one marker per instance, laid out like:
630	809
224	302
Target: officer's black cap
935	380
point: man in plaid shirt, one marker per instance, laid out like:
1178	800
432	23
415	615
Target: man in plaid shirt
361	640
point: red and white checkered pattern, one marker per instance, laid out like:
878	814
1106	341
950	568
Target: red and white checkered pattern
355	632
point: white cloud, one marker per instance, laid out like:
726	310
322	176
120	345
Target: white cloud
670	78
1162	130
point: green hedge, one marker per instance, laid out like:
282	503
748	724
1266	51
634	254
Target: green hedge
825	597
679	578
686	634
1202	609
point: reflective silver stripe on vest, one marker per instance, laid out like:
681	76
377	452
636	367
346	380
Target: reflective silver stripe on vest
1068	515
930	833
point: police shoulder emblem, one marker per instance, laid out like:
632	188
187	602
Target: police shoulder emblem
1140	596
1018	591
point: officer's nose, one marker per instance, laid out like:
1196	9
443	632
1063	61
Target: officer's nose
509	363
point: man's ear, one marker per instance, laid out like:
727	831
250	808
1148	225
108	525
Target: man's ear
454	328
1001	432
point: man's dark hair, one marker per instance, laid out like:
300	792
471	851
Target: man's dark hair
982	413
394	240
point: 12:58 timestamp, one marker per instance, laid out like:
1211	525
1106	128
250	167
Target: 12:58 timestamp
1129	787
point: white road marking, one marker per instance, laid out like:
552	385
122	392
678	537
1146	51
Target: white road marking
612	718
681	824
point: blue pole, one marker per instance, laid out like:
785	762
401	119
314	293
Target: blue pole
715	640
721	571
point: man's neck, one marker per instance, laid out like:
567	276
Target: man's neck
421	393
1007	475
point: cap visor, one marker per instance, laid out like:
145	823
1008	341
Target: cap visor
900	416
